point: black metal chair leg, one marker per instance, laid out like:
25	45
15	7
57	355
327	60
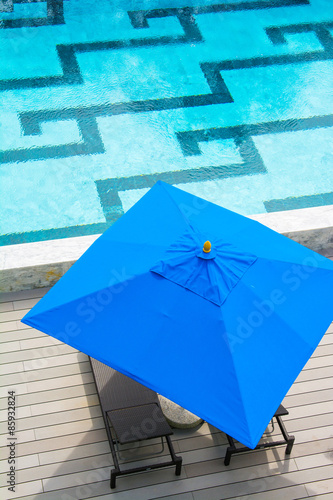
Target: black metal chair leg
289	439
227	457
290	444
179	462
230	450
113	477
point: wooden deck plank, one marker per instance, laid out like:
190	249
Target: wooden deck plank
13	315
7	347
298	424
61	442
181	496
65	359
45	373
65	405
290	493
61	417
21	414
69	428
8	326
319	487
57	394
82	451
6	306
38	342
59	382
327	496
317	460
309	435
286	493
309	410
24	462
311	386
196	459
304	399
22	334
23	489
96	473
23	389
316	373
9	368
58	471
25	303
323	350
80	491
318	362
327	339
157	484
211	460
25	436
52	350
257	484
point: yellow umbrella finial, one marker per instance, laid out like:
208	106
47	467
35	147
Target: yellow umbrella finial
207	247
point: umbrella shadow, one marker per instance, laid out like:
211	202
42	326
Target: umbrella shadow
90	462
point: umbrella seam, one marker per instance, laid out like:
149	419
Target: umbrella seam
162	184
238	385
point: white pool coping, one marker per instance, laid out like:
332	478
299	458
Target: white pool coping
41	264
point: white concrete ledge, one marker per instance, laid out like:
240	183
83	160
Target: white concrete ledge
311	227
41	264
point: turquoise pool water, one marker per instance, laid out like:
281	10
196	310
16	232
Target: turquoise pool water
231	101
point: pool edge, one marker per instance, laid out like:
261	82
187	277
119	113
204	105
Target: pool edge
41	264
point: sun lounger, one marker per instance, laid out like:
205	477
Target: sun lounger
131	414
280	412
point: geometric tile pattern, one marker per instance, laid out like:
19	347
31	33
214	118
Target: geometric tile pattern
86	116
214	72
54	8
251	163
292	203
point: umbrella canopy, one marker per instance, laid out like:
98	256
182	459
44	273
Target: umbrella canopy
210	309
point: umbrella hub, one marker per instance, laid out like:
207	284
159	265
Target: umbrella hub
207	252
211	270
207	247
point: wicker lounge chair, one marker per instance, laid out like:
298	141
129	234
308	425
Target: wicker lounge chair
280	412
131	413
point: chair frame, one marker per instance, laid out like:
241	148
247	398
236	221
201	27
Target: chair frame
113	441
281	411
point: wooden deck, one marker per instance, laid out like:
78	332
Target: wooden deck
63	452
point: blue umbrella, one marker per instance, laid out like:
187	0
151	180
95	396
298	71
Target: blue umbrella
210	309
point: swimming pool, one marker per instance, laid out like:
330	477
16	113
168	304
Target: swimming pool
230	101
